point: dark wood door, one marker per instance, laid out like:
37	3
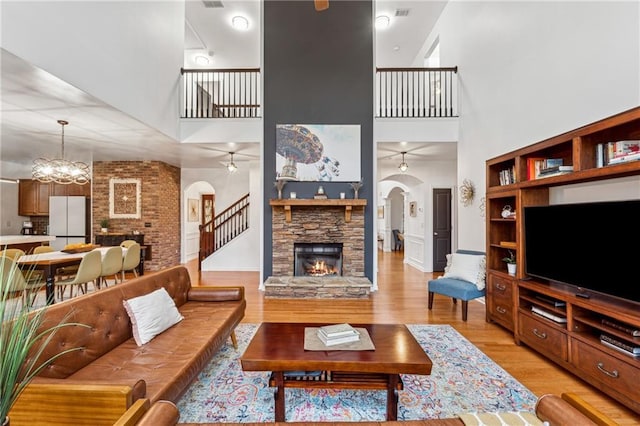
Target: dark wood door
441	227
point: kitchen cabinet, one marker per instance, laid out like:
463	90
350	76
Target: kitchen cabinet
33	196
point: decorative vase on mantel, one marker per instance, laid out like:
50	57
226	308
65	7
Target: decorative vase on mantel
356	187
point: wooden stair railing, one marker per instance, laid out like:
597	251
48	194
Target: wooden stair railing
223	228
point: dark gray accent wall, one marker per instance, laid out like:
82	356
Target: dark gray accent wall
318	69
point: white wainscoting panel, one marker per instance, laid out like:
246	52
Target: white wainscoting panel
414	251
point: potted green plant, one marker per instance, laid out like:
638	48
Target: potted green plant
511	263
22	341
104	225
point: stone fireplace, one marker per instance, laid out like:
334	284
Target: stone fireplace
316	228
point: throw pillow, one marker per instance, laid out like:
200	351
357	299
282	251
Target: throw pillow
151	314
468	267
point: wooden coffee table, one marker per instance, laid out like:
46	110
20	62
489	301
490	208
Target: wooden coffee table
279	348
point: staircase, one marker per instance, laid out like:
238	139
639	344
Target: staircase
223	228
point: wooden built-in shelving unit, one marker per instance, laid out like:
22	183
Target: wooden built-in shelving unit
572	337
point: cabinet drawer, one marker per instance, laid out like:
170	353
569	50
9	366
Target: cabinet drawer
543	337
606	369
500	300
501	288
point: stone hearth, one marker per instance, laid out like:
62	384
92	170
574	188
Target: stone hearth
317	287
318	221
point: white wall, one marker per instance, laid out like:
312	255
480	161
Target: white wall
126	53
529	71
243	253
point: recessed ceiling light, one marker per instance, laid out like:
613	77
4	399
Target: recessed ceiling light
382	22
240	23
202	60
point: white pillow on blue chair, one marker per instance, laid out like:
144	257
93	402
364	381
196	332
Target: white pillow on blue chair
467	267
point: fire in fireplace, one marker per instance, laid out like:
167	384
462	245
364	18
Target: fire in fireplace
317	259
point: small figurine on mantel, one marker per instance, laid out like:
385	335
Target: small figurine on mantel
320	195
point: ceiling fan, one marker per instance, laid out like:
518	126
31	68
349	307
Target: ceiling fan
321	5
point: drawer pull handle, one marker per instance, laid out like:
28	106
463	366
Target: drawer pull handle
501	310
613	373
501	287
542	335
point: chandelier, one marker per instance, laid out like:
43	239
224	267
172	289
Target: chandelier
59	170
231	166
403	166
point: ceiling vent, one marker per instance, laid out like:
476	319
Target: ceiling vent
212	4
402	12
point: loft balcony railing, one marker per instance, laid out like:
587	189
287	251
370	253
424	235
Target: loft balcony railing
400	93
416	92
221	93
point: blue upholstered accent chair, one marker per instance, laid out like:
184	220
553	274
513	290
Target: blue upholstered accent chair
456	288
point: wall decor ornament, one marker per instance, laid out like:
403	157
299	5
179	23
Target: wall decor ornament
467	192
413	209
124	198
192	213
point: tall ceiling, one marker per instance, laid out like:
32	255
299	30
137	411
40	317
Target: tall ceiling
33	100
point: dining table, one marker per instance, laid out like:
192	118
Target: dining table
50	262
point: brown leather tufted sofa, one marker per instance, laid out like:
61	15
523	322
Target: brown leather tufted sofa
97	384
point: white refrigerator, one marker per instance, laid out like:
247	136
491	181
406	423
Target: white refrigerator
67	220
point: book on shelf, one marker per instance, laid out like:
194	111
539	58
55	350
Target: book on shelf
552	162
625	158
508	244
554	169
618	344
617	152
548	315
635	332
508	176
555	173
534	165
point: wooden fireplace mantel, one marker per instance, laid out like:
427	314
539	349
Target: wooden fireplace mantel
348	205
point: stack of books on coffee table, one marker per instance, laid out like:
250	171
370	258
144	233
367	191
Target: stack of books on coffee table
338	333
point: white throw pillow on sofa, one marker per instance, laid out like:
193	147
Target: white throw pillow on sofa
151	314
467	267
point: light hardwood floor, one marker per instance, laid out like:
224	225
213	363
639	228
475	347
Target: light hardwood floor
402	298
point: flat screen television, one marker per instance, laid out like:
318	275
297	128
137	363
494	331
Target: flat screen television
592	246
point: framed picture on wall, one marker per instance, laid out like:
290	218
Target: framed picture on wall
124	198
318	152
192	210
413	209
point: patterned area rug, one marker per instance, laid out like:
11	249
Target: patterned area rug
463	380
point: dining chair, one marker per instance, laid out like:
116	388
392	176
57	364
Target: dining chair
37	277
131	260
13	281
43	249
111	266
128	243
88	272
12	253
